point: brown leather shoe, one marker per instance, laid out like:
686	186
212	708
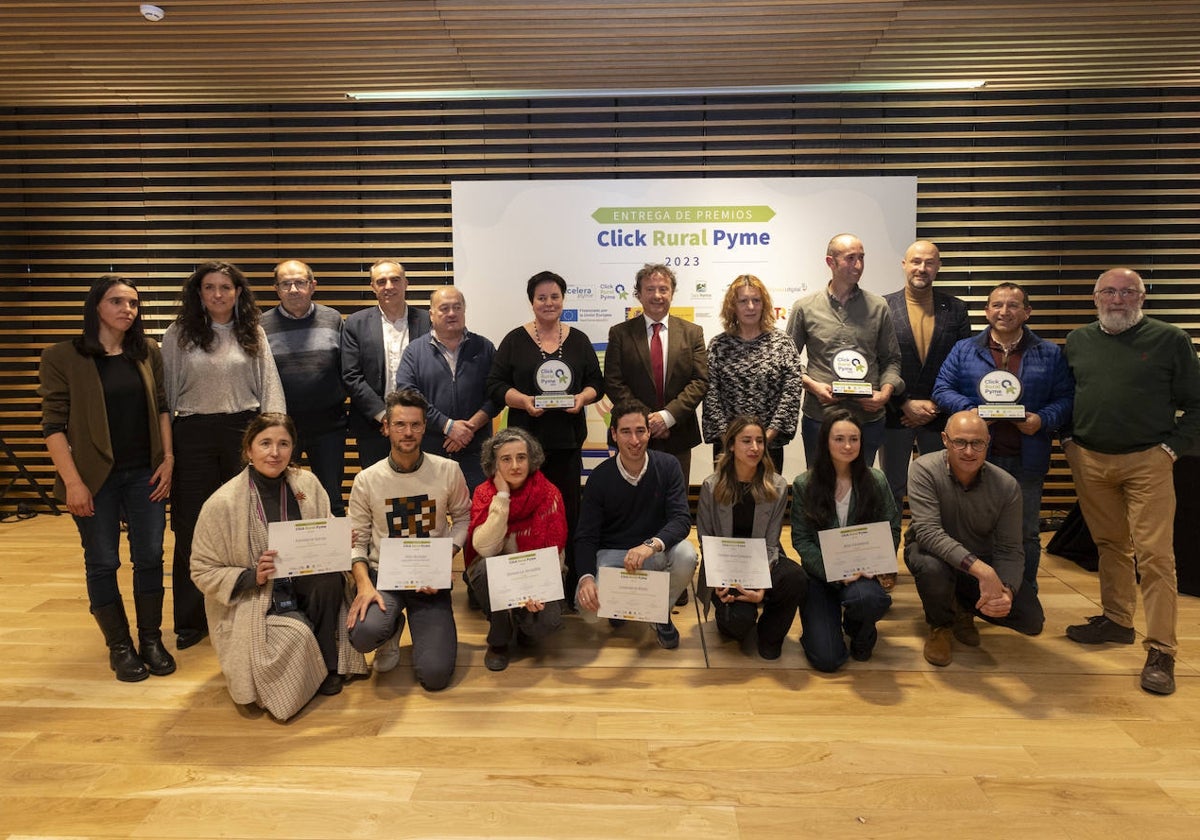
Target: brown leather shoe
939	647
1158	675
964	629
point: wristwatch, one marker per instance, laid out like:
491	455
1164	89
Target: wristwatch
651	544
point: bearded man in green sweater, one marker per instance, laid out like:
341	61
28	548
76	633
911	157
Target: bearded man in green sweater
1137	409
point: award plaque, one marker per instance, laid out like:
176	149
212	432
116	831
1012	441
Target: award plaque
1000	391
851	370
554	380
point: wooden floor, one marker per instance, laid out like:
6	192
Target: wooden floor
600	735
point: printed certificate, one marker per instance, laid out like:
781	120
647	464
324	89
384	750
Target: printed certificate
732	560
514	579
310	546
637	596
414	563
858	549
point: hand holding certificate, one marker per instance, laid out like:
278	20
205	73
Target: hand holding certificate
636	596
310	546
732	561
416	563
515	579
858	550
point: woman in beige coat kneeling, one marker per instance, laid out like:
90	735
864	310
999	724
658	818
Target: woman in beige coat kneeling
281	640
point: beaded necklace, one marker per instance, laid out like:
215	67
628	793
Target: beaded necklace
537	332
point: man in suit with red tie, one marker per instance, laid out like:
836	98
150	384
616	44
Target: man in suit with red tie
928	325
660	360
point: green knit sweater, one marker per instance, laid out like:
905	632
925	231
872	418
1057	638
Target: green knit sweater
1129	387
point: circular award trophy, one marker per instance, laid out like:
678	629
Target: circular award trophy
851	370
1000	391
553	379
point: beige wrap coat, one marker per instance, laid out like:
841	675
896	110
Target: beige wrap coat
271	660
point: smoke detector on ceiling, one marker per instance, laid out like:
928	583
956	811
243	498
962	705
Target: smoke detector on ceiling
152	13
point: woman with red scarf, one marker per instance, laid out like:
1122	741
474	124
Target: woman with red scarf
517	509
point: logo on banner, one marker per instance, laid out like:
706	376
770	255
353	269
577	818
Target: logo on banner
717	226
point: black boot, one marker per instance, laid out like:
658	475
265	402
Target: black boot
122	658
149	621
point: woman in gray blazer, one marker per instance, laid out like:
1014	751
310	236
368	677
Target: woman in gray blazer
746	498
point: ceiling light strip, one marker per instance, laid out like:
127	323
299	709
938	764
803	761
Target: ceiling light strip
579	93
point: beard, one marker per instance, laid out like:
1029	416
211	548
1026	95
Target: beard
1118	322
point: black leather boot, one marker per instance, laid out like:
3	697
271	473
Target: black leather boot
122	658
149	622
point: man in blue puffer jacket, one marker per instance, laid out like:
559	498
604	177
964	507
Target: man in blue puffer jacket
1021	448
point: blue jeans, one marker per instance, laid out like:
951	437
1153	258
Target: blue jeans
833	608
679	560
897	454
872	439
1031	511
128	492
327	457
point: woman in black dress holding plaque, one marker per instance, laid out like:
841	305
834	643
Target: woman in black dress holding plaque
547	373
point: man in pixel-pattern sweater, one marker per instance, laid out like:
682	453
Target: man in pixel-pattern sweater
635	515
409	494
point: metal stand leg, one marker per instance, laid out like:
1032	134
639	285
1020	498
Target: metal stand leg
22	472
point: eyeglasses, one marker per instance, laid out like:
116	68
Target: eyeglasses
300	285
975	445
1111	293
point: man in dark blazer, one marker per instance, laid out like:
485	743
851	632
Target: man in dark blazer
629	371
928	324
373	343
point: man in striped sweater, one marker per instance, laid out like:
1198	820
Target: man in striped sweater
305	339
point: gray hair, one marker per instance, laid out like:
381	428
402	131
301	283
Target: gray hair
510	434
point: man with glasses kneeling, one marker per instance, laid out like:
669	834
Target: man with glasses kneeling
964	544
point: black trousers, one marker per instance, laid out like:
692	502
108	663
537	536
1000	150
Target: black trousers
564	469
208	452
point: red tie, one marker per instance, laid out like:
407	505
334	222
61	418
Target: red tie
656	363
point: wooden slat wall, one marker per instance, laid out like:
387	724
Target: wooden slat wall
1045	188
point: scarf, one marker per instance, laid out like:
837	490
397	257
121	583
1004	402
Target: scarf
535	515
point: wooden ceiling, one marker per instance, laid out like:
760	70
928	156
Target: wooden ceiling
104	52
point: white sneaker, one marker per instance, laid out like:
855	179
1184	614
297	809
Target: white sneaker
387	656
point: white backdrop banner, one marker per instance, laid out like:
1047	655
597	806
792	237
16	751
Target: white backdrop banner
597	234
